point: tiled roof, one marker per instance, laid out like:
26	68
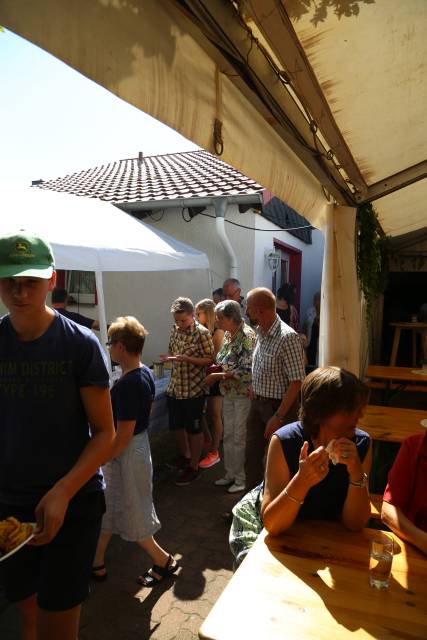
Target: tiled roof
285	217
191	174
185	175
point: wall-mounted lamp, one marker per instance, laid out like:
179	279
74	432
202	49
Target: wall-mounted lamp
273	260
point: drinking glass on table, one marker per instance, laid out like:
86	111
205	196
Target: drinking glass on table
380	561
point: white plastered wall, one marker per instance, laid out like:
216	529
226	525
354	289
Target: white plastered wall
201	234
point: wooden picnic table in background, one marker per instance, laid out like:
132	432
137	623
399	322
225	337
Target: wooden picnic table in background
393	380
400	374
313	582
398	327
391	424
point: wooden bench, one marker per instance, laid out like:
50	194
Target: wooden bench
376	505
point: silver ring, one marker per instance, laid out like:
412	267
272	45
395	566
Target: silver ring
344	455
322	467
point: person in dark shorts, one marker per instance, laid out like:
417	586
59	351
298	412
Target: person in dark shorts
190	350
53	384
59	302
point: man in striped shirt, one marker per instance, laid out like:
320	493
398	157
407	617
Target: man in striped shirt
277	373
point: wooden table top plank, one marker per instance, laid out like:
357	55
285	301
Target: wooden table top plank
324	594
391	424
404	374
409	325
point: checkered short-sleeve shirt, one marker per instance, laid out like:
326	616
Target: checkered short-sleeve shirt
278	360
187	379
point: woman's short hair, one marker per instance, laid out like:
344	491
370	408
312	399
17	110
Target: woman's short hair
208	307
130	332
327	391
182	305
229	309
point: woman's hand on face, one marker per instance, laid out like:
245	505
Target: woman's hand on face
313	468
347	454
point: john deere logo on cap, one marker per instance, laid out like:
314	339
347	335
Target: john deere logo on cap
22	247
22	250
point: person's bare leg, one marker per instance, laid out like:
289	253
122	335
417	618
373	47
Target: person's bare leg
207	436
101	548
182	442
215	420
58	625
157	554
28	611
196	446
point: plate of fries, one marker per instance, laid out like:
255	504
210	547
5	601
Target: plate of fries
14	535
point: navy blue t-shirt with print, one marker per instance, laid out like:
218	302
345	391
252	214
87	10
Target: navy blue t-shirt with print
43	424
132	397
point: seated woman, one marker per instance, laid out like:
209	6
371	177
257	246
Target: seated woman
316	468
404	507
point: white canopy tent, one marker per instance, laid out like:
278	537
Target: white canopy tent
91	235
322	102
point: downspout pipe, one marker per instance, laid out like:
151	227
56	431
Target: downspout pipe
220	205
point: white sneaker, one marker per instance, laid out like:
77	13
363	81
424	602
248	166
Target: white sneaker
235	488
223	482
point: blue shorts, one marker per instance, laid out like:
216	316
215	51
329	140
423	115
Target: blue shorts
58	572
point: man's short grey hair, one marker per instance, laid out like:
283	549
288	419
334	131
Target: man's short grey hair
234	281
229	309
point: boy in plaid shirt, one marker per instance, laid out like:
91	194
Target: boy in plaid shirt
190	350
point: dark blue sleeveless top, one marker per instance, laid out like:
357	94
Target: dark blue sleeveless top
326	499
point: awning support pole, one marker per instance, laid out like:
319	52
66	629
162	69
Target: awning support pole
102	316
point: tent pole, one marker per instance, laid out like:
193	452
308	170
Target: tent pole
102	316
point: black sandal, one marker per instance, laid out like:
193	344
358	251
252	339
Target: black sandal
96	576
148	580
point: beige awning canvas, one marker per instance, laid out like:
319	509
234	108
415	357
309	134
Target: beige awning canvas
356	69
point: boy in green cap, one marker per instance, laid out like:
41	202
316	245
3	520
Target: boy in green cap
56	429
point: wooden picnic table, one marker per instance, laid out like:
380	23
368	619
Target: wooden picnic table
393	380
398	327
391	424
400	374
313	582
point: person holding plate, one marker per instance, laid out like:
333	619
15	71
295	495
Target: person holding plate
56	429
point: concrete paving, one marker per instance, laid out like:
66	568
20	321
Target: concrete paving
194	531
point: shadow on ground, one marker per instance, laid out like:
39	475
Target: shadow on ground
193	530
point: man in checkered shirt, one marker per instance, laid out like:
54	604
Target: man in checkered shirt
190	350
277	373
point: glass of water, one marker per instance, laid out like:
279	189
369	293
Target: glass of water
380	561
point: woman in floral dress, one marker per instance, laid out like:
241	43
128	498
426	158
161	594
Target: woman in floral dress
235	358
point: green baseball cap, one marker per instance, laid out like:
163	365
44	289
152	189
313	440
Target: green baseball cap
24	254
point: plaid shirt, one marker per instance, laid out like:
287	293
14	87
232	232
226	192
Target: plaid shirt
186	378
278	360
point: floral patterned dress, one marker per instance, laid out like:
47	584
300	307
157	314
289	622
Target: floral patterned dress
235	356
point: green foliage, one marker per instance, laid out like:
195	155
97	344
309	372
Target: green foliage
372	257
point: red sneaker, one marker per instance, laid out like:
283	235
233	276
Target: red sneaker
209	461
